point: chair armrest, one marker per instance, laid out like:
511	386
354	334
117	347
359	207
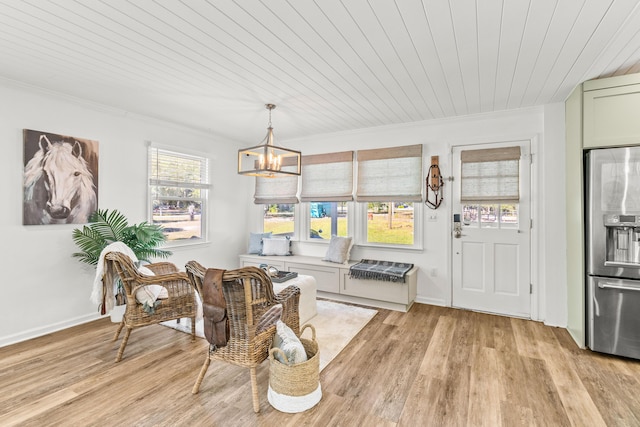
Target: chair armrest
289	297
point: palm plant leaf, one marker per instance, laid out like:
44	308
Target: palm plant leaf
111	225
107	227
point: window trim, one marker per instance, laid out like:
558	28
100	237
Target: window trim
205	188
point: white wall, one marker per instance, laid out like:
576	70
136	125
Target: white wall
43	287
543	125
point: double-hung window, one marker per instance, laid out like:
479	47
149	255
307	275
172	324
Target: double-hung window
327	187
178	194
278	196
389	194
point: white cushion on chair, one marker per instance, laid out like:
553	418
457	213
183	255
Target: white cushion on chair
150	293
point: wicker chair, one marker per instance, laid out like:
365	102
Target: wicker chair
181	302
249	296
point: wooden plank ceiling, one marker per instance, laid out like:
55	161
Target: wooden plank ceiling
329	65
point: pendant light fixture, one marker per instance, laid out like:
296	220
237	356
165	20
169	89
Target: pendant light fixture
267	160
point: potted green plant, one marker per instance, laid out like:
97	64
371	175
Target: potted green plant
106	227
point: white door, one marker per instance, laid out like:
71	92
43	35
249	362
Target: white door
491	251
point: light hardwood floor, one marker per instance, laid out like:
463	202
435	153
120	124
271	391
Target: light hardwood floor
432	366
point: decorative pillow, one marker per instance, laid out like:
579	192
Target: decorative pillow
147	295
339	249
287	341
255	241
276	246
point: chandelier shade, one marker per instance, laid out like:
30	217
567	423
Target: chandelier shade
268	160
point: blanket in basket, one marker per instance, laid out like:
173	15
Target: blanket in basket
387	271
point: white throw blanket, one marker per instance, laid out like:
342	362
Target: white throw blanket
108	290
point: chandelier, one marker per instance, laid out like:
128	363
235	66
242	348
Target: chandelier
267	160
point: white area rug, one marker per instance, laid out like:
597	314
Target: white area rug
335	324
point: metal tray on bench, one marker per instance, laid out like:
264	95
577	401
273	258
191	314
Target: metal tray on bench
283	276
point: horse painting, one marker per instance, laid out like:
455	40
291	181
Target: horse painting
59	186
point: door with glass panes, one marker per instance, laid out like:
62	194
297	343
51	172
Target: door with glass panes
491	241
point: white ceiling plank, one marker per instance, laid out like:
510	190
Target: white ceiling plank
536	31
489	30
441	25
415	18
514	19
329	65
465	19
562	22
620	47
603	32
575	43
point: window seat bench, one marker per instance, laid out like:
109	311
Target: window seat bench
333	281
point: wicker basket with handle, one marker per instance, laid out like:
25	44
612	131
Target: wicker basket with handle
296	387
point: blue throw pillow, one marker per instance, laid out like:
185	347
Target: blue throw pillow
255	242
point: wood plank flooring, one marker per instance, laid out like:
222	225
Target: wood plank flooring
433	366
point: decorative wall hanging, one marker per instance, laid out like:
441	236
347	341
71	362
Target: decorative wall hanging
434	184
60	178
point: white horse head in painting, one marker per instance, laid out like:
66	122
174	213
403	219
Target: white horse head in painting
58	185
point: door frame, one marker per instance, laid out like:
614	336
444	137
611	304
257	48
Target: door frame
538	291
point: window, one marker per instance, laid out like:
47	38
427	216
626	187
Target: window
178	192
278	197
490	215
490	187
389	185
327	184
279	218
390	223
328	219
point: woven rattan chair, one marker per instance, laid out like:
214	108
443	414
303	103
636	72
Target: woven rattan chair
181	302
250	301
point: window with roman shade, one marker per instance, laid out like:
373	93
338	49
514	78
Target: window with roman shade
490	175
178	193
390	174
280	190
327	177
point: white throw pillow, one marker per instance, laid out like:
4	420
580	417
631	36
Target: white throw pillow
276	246
255	241
149	294
339	249
287	341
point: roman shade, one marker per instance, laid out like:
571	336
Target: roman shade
490	175
282	189
390	174
172	169
327	177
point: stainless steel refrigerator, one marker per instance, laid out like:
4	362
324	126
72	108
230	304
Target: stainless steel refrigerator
613	250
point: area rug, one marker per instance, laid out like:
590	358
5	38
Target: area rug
335	324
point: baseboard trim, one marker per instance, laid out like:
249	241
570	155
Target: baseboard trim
431	301
38	332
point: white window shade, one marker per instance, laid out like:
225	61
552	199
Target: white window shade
327	177
490	175
390	174
281	189
172	169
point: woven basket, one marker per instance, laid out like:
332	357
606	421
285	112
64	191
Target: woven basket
295	388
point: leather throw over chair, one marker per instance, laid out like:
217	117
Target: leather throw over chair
214	308
252	310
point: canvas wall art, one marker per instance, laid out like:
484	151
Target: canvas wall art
60	178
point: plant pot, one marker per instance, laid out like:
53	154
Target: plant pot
117	312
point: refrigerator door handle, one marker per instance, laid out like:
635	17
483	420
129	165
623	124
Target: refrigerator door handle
605	285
